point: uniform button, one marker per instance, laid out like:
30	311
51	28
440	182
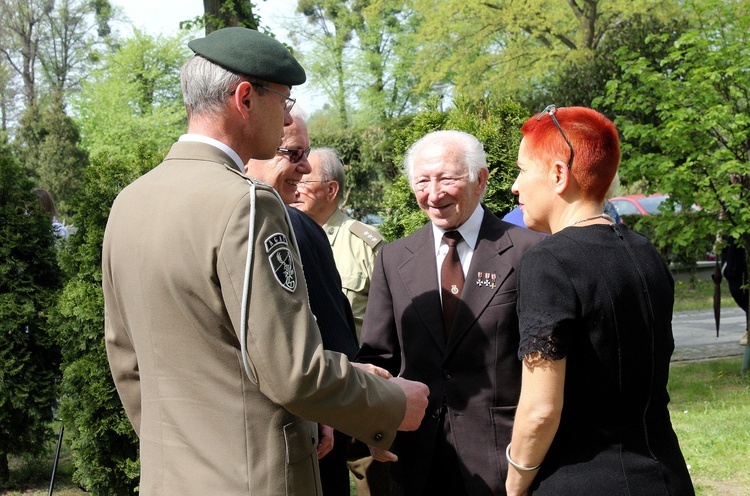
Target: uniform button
447	375
378	437
436	413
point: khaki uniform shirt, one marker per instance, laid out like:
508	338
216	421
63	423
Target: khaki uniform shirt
355	246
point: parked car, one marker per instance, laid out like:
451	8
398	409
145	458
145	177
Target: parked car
639	204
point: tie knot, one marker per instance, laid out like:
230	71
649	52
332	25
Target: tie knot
452	238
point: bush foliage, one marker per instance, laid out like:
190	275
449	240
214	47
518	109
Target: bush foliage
105	448
29	284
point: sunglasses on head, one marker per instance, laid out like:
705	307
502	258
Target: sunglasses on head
295	154
551	109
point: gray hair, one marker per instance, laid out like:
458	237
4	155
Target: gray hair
331	168
299	112
474	157
206	86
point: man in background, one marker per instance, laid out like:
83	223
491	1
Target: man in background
355	244
327	302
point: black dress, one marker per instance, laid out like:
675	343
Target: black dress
602	297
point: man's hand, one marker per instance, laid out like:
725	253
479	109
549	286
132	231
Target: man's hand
381	455
416	402
325	440
373	369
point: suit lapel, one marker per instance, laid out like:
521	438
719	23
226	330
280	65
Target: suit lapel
486	262
419	275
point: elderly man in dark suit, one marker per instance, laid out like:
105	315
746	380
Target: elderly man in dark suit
442	310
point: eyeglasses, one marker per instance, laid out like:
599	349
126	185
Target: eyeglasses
295	154
550	109
288	104
305	184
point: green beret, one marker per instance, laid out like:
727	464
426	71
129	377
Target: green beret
249	52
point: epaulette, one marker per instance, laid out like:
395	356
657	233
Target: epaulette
366	233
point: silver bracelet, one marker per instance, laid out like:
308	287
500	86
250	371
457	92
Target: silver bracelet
517	466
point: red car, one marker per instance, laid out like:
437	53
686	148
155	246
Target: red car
639	204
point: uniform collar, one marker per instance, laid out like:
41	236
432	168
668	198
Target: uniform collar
218	144
333	224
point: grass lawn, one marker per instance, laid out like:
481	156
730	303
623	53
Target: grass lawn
710	412
699	296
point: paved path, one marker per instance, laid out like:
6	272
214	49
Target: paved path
695	334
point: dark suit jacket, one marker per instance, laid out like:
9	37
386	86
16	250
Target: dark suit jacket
331	308
476	374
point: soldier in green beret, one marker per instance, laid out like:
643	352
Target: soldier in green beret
212	346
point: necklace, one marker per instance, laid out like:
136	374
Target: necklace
600	216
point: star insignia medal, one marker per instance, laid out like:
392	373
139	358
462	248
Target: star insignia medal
282	261
479	278
486	279
454	289
494	278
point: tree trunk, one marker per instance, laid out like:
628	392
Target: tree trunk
4	470
218	15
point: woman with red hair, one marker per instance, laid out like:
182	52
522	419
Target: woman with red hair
595	310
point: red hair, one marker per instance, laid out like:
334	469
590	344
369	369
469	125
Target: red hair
594	139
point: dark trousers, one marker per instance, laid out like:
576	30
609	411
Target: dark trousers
445	473
334	476
734	264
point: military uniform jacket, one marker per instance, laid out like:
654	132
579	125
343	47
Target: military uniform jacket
173	275
355	246
476	374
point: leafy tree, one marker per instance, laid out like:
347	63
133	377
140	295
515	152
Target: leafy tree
105	448
64	50
8	96
48	144
579	81
134	98
495	122
384	59
334	22
29	284
20	39
219	14
696	146
368	160
507	47
361	48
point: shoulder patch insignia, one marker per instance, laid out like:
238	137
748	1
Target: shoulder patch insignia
281	260
366	233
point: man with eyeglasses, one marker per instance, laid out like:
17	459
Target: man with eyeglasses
355	246
327	302
442	310
212	346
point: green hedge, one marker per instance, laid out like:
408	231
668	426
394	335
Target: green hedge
29	283
104	445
